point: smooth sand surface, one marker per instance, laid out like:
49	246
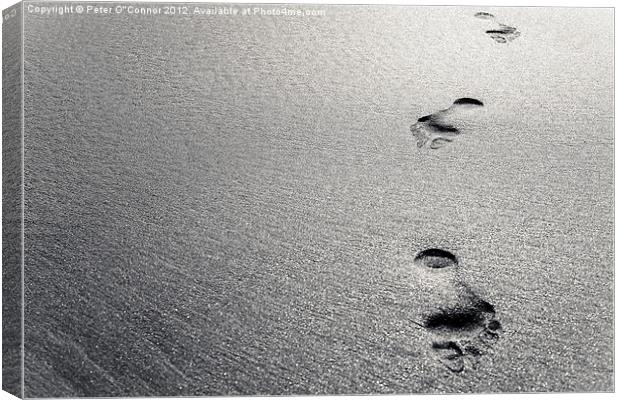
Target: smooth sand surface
233	205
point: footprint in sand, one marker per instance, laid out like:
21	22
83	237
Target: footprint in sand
502	33
463	325
437	129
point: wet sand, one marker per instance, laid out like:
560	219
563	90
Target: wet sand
238	206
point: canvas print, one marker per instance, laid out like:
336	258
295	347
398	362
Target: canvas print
297	199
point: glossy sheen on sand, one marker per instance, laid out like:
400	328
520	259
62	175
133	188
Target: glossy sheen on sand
233	205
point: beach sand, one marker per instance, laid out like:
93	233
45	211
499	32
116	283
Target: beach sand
233	205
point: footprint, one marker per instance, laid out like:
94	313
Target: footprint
463	325
503	33
438	129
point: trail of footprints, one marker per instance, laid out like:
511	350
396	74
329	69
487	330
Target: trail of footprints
463	326
437	129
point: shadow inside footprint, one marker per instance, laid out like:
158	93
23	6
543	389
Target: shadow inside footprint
436	129
455	320
471	314
504	34
435	258
467	101
484	15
